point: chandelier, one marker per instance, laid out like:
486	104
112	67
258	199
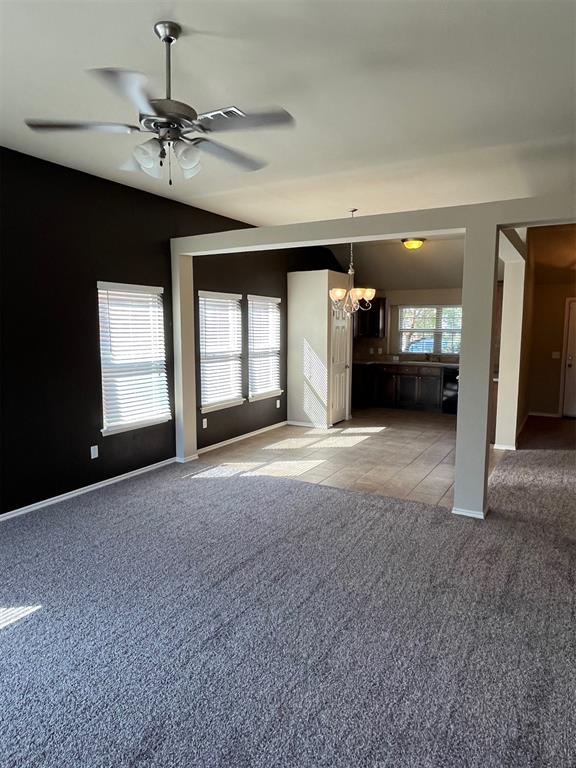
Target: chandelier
351	299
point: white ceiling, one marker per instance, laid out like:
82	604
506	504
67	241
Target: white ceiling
399	105
387	265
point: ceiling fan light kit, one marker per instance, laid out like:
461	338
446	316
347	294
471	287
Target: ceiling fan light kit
351	299
173	122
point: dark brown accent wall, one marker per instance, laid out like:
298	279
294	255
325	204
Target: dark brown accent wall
265	274
60	232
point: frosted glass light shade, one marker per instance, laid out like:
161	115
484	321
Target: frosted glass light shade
369	293
357	293
338	294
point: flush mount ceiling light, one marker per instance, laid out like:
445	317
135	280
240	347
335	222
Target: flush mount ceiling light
178	129
351	299
413	243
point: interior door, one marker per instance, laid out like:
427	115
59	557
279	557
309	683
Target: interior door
570	364
340	373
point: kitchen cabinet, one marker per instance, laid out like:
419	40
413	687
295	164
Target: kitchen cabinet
371	323
402	386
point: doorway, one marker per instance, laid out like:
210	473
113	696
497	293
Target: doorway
569	360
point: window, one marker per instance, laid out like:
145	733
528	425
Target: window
220	319
430	329
263	347
133	357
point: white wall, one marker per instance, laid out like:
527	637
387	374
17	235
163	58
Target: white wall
309	338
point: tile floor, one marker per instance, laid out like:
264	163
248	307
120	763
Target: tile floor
404	454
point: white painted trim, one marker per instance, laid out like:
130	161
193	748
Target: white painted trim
501	447
136	425
186	458
222	406
270	299
84	489
218	295
265	395
562	393
548	415
129	288
469	513
241	437
308	424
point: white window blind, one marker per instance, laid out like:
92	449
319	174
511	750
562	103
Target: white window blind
435	329
263	347
220	318
133	356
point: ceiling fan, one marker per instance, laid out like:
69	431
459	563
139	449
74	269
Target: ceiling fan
173	123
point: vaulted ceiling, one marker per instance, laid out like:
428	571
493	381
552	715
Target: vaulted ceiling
398	105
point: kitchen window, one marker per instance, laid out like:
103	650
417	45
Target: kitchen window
432	329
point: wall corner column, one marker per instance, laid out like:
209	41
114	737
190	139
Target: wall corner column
472	429
184	355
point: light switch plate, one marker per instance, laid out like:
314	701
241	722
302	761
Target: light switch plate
93	451
277	403
379	350
204	423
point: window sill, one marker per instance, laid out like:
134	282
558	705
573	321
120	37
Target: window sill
136	425
221	406
265	395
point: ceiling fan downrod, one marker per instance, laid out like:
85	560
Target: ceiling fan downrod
168	32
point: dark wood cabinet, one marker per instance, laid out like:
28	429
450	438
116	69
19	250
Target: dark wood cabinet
385	387
429	392
407	389
371	322
400	386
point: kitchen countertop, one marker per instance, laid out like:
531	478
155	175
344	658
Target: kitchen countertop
425	363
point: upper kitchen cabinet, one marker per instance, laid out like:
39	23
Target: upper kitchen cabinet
371	322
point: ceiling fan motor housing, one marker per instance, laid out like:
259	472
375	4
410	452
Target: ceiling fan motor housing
169	114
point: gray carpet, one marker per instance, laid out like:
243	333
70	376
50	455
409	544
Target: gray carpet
261	622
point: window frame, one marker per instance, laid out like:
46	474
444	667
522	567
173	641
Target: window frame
437	332
150	290
277	391
234	402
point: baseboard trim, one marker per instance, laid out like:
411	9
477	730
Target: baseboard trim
241	437
308	424
183	460
469	513
80	491
504	447
548	415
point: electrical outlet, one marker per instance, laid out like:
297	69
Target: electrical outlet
379	350
277	403
93	451
204	423
371	350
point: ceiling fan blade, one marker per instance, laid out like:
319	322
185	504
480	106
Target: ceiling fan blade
77	125
129	85
232	156
230	121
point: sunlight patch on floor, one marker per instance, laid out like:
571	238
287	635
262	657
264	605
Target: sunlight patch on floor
284	468
291	443
340	441
226	470
363	430
15	613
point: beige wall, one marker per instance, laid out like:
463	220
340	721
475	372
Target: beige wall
552	263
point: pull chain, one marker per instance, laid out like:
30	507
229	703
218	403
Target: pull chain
169	166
